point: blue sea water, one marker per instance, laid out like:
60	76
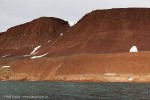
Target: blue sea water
23	90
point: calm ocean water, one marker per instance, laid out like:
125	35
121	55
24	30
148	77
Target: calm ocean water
73	91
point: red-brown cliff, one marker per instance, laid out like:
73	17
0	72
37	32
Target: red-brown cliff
24	37
106	31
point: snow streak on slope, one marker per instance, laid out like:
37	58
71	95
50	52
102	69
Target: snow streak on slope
49	41
5	56
34	57
35	49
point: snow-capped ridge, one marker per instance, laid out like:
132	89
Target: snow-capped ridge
72	23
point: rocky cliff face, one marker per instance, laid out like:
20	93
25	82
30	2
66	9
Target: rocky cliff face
107	31
24	37
100	31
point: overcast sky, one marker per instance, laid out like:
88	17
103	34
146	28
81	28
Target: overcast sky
14	12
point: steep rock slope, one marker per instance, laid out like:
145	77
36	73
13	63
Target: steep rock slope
24	37
106	31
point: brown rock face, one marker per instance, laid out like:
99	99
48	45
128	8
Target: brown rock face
107	31
31	34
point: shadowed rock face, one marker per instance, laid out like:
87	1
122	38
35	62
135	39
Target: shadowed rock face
106	31
24	37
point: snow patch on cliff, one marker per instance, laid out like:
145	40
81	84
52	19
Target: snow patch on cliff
134	49
71	23
49	41
34	57
5	56
35	49
61	34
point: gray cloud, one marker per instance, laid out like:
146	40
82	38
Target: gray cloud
14	12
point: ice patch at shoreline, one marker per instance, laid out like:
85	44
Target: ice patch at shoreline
5	66
130	79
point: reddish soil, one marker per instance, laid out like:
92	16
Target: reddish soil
87	66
